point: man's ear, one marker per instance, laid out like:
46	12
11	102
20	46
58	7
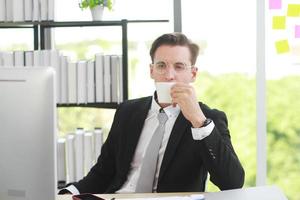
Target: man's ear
151	71
194	72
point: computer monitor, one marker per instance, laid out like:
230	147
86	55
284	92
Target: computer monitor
27	133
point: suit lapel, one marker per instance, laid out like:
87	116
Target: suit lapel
177	132
133	132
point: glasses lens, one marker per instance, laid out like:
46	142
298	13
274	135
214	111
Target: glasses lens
179	67
161	67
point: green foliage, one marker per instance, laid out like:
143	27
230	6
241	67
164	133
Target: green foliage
283	129
235	94
93	3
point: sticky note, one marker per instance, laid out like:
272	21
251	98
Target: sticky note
282	46
293	10
278	22
297	31
274	4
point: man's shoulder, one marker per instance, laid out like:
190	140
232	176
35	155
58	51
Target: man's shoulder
137	100
135	103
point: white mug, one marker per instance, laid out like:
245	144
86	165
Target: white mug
163	90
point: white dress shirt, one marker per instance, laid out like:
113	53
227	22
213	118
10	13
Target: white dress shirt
151	123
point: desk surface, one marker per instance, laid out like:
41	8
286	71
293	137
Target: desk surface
253	193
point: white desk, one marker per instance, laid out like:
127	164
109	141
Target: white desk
253	193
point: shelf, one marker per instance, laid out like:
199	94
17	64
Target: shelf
91	105
73	23
18	24
39	28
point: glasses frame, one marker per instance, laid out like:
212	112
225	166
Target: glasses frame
162	72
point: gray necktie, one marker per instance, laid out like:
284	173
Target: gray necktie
146	179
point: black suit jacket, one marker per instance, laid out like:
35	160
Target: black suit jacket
185	163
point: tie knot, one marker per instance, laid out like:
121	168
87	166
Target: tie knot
162	118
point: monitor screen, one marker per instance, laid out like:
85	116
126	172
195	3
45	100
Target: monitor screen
27	133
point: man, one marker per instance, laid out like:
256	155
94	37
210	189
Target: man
195	139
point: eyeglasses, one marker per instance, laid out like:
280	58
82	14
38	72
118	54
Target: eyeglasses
162	67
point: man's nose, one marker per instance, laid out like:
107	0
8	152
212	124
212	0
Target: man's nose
170	73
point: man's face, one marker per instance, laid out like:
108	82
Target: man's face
172	64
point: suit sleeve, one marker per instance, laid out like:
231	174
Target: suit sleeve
103	172
219	157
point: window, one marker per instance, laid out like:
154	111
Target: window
225	31
283	92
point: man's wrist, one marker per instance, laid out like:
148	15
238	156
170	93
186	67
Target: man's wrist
206	122
198	123
202	132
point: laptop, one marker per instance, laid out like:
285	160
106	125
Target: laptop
27	133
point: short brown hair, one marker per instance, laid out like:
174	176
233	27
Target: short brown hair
174	39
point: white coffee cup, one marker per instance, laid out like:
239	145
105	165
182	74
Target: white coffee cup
163	90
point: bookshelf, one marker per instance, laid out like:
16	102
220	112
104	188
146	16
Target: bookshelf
39	30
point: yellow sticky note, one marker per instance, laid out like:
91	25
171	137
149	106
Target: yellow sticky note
278	22
282	46
293	10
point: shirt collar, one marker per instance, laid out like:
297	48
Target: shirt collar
169	110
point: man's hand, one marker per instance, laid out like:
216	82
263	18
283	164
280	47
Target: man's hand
184	95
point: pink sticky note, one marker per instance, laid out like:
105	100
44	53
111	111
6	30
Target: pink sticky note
274	4
297	31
